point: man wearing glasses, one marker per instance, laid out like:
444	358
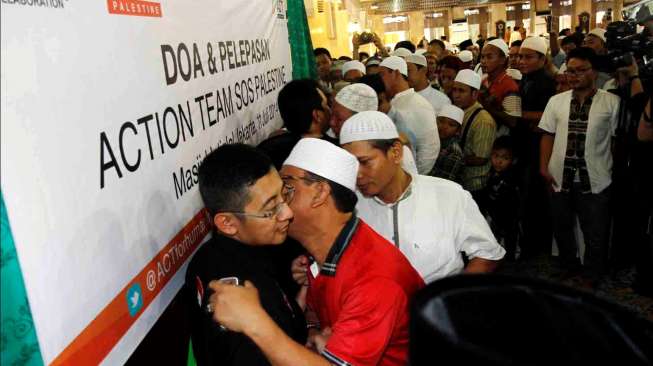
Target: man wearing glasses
576	164
248	204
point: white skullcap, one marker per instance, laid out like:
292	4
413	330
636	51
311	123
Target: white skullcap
561	38
402	52
466	56
416	59
420	51
326	160
395	63
370	125
469	77
514	73
453	112
353	65
537	44
358	98
500	44
372	61
597	32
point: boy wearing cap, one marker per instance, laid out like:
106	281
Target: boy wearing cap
361	300
352	71
418	80
499	93
412	113
450	160
479	130
431	220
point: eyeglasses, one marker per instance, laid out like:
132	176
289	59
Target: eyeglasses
577	72
287	192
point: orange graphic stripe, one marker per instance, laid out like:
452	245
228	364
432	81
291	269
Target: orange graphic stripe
135	7
95	342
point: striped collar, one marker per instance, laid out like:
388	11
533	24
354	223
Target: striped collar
339	246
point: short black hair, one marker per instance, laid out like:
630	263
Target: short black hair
297	100
344	58
565	32
407	45
226	174
585	54
504	142
374	81
572	38
464	44
451	62
437	42
321	51
516	43
363	55
344	198
383	145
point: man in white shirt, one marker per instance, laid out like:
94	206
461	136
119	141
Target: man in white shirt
431	220
576	163
418	80
411	112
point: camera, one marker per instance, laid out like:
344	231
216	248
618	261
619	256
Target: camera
626	46
366	37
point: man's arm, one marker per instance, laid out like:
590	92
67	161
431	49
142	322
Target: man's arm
480	265
546	149
481	141
645	128
239	310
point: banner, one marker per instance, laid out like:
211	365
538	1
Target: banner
108	108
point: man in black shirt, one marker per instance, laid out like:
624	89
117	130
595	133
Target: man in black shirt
536	87
248	203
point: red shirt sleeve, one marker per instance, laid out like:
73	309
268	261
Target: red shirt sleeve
366	323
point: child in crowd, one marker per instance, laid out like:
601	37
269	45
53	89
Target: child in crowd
450	160
501	203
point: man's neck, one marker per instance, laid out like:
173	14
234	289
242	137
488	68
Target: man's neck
496	74
320	237
399	87
581	94
422	84
396	187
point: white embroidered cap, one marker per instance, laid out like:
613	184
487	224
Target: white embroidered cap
395	63
453	112
358	97
353	65
370	125
469	77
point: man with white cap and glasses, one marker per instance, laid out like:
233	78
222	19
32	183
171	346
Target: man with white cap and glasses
479	131
536	88
431	220
412	113
499	92
450	160
418	80
359	287
352	70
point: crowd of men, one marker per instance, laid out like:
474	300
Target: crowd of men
396	170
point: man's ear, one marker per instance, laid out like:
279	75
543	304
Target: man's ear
226	223
396	152
322	194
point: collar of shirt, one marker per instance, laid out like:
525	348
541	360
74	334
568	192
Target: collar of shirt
401	95
470	109
339	246
588	98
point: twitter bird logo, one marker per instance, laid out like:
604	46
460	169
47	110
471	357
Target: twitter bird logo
134	299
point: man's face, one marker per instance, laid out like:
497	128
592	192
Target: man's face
323	66
447	128
492	59
388	76
567	47
323	115
339	115
376	167
352	75
501	159
594	43
463	95
416	74
447	76
513	57
435	49
530	61
305	191
431	67
580	74
266	195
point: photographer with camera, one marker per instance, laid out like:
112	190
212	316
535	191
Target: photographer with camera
629	54
358	40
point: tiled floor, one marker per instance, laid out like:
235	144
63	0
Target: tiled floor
615	288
